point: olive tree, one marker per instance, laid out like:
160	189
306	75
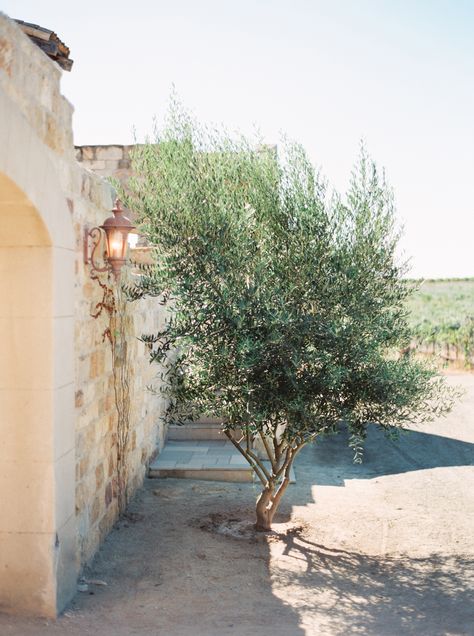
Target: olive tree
286	303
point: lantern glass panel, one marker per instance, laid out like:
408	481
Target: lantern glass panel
116	245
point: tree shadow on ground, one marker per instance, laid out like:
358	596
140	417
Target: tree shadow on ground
353	593
330	460
347	591
168	577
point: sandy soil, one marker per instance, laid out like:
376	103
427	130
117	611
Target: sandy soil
381	549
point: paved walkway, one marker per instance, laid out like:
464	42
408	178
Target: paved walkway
216	460
199	454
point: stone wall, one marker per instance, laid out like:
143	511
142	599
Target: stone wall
32	81
96	430
96	479
58	457
38	537
106	161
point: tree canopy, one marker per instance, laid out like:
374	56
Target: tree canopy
287	305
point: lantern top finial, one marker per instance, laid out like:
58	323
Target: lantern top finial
118	221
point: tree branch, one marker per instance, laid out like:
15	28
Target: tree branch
255	466
282	487
288	457
260	464
269	452
276	445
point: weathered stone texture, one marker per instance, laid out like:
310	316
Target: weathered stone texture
34	83
72	420
96	447
31	79
106	161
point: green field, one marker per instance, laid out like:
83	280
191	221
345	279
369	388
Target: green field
442	315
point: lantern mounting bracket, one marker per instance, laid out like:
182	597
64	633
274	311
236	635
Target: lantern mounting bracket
95	234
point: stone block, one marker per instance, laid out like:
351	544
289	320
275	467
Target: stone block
108	494
111	165
99	475
27	576
64	428
34	488
127	150
86	185
217	474
6	56
112	421
96	164
26	361
88	153
107	521
109	152
96	509
63	330
97	362
238	460
79	398
64	471
23	418
67	564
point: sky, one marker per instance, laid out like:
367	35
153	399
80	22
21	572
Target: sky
396	73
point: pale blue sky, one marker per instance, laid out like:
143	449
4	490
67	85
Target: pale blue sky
398	73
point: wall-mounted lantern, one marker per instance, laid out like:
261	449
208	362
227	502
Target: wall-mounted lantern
116	229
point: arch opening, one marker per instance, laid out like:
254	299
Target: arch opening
37	532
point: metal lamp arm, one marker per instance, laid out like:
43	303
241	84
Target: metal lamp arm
96	235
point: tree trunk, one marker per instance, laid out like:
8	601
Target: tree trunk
280	455
267	505
264	511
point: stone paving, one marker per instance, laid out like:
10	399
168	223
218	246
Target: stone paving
202	459
198	455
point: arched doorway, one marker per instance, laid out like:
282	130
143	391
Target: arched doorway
37	480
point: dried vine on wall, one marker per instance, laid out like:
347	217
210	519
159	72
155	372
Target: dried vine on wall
122	373
114	304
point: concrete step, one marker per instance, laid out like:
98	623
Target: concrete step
203	429
209	460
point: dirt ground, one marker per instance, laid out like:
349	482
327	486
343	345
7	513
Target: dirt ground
383	549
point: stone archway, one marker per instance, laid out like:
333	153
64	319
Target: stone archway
38	566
